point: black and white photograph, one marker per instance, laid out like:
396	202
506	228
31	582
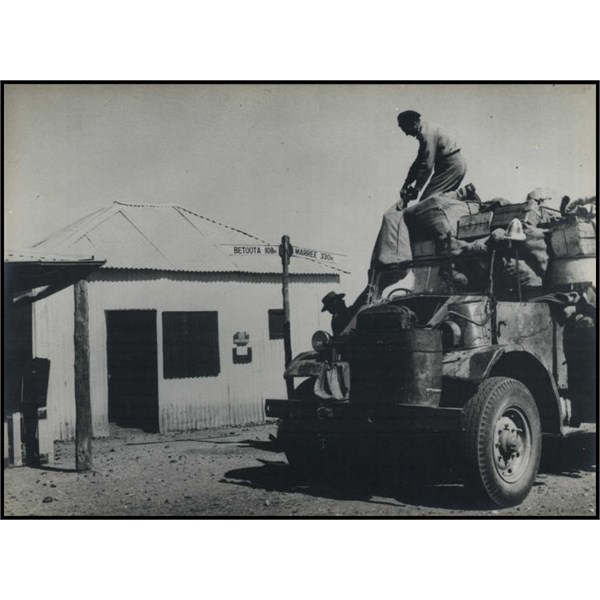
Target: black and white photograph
299	299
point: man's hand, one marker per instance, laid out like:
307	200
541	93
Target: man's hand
407	194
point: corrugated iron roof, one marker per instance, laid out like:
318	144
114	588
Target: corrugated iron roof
170	238
30	276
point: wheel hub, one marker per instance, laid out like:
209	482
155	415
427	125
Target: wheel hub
512	444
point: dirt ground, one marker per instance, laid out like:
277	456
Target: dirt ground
240	472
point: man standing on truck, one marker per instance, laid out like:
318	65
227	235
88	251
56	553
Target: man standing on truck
438	154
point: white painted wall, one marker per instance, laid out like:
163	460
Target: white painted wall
236	396
52	338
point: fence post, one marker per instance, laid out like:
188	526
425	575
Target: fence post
83	409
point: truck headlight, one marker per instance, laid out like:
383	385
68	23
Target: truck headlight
320	341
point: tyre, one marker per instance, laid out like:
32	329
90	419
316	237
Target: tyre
300	439
502	442
301	444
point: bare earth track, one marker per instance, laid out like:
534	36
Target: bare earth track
240	473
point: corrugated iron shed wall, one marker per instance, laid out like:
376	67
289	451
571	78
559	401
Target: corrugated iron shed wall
52	327
236	396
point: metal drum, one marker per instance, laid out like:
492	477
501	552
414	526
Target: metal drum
422	380
473	317
567	270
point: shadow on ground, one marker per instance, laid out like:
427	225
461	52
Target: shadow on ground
279	476
422	477
53	469
568	456
416	478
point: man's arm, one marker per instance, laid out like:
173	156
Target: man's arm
408	193
422	167
412	172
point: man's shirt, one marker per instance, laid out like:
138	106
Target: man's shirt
434	144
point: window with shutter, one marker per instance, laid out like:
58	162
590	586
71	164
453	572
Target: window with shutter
190	344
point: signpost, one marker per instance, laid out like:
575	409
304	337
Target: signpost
266	250
285	251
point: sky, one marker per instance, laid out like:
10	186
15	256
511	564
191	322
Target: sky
320	163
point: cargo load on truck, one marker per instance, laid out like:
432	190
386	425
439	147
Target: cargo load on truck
433	219
549	244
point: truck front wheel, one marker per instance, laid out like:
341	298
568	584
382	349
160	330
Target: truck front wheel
299	438
300	442
502	441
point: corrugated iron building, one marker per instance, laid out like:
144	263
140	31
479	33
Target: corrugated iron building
184	320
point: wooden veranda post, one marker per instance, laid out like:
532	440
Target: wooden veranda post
83	409
285	251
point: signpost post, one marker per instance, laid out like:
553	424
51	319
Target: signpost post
285	251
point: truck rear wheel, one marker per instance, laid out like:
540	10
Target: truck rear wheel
502	441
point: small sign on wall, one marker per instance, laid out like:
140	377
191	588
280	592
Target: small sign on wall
242	352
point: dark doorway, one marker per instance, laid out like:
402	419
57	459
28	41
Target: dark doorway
17	353
131	347
34	389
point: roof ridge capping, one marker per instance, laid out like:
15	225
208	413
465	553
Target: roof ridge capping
144	204
184	209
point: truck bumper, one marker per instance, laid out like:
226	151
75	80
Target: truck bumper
405	418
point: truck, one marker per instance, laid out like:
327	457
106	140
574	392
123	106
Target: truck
446	347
